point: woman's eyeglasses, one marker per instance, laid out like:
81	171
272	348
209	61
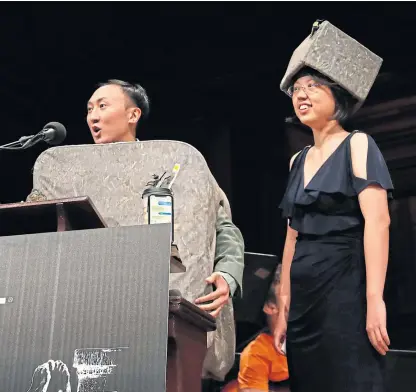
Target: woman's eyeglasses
310	88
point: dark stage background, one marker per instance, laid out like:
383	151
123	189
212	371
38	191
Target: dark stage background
212	71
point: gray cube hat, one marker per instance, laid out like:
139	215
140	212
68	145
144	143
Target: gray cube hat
339	57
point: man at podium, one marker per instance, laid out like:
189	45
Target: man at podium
212	249
113	114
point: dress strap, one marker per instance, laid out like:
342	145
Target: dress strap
349	150
299	157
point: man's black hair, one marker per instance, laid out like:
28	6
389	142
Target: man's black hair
135	92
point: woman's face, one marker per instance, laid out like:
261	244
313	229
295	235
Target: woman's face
314	103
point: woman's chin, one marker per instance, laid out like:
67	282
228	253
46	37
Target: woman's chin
307	119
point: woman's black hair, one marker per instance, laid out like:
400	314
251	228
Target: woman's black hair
344	101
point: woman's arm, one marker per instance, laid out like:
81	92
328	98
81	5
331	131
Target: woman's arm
283	289
374	207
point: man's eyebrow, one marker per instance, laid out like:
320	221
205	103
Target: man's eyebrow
98	101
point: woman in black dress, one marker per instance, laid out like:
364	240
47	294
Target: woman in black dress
333	315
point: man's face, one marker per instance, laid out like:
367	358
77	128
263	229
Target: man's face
111	117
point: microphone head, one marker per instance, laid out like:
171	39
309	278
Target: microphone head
54	133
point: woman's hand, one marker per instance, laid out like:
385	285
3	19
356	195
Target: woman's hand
280	332
376	324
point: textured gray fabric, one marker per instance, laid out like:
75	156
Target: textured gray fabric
114	177
69	294
337	56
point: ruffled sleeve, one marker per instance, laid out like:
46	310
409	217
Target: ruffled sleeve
377	171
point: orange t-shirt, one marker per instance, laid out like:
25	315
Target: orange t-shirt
259	364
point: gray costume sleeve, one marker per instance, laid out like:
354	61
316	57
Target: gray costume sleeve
229	252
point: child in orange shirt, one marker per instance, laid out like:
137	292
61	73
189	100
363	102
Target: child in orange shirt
260	363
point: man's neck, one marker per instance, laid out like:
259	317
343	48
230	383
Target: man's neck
127	138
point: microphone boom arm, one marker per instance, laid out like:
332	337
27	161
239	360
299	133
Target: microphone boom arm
21	144
52	133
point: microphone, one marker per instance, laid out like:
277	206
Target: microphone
52	133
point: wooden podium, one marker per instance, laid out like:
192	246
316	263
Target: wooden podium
60	215
187	344
187	324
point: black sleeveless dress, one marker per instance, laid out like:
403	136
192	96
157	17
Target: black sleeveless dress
327	344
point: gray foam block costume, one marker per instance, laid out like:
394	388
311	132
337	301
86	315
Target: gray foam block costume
336	55
114	177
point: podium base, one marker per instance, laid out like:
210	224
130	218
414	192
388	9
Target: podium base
187	344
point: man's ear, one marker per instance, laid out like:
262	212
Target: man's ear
135	115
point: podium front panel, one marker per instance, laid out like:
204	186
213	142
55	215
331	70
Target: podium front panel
85	310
